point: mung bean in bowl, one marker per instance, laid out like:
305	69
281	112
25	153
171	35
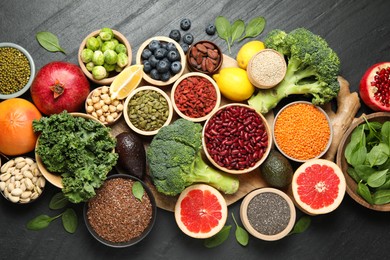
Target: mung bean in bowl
302	131
122	213
17	70
236	139
147	109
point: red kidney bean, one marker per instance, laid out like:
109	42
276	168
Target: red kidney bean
236	137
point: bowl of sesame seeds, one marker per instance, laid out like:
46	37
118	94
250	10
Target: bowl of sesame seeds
17	70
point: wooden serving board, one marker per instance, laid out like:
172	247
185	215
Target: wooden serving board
248	182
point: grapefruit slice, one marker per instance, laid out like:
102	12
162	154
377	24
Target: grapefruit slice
318	186
200	211
126	81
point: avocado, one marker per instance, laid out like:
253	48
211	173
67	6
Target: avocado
277	170
132	156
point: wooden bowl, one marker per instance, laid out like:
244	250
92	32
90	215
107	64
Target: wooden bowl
127	116
55	179
191	66
245	170
182	114
182	61
111	76
342	163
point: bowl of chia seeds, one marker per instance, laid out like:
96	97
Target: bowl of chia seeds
122	213
17	70
147	109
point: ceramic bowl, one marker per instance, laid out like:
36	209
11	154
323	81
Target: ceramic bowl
196	65
92	108
236	138
32	70
128	114
175	97
380	117
111	76
135	240
173	78
55	179
260	226
278	145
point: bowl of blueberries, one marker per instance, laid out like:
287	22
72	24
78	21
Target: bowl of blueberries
163	59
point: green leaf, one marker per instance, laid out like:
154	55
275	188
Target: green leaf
40	222
378	155
358	157
69	220
138	190
254	27
385	133
352	172
242	236
302	224
58	201
218	238
49	41
237	29
364	171
381	197
364	192
377	179
223	29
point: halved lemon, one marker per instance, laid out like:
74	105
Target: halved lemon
126	81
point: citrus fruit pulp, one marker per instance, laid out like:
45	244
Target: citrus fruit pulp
318	186
126	81
201	211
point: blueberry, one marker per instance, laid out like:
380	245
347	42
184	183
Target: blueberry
185	47
153	61
175	35
160	53
154	74
164	45
162	66
154	44
165	76
146	53
147	66
175	67
188	38
185	24
173	55
171	46
210	29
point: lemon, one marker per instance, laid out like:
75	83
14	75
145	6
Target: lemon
247	51
234	83
127	80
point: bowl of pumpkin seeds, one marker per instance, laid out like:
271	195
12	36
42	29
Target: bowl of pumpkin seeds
17	70
147	109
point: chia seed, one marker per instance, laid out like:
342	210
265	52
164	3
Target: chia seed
268	213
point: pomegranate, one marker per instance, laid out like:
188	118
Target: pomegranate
59	86
375	87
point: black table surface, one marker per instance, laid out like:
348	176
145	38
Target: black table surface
359	31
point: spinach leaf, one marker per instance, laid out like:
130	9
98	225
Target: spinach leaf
138	190
381	197
49	41
378	155
377	179
354	143
352	172
219	238
385	133
358	157
223	29
364	192
302	224
254	27
237	29
58	201
364	171
241	234
385	185
69	220
40	222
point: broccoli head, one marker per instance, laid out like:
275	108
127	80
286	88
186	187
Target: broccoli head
175	160
312	69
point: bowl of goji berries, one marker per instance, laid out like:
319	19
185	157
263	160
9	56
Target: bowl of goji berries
236	138
195	96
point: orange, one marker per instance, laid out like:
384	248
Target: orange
126	81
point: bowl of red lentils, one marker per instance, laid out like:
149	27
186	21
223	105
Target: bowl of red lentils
302	131
195	96
17	70
236	139
122	213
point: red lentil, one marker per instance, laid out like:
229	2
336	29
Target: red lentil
302	131
236	137
195	96
115	214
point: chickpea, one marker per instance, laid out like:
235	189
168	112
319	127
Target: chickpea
114	115
97	105
99	112
95	99
116	102
112	108
94	114
107	100
104	89
110	118
90	109
105	108
96	93
89	102
119	107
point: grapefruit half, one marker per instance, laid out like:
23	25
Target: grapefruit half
318	186
200	211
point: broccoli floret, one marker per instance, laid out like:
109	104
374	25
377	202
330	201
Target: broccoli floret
312	69
175	160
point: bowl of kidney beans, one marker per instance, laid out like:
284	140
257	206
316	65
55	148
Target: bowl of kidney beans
236	139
